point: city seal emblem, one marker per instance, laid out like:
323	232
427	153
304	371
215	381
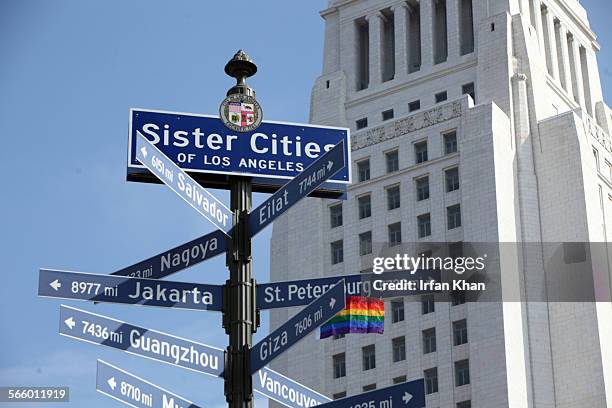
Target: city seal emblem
240	113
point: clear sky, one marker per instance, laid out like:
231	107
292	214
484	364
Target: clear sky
69	72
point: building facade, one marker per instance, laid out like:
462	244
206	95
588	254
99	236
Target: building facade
473	121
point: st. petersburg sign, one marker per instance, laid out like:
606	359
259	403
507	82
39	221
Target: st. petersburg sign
210	152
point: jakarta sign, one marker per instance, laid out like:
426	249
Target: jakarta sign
210	152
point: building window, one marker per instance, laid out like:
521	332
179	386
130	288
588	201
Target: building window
392	160
451	177
429	340
335	215
462	373
440	97
466	27
464	404
468	89
427	304
363	53
363	169
365	206
387	48
439	33
420	151
399	349
338	336
369	387
457	298
339	395
397	311
460	335
361	123
431	380
369	357
337	252
393	197
450	142
596	155
453	216
400	379
339	365
424	225
365	243
414	105
395	234
388	114
422	188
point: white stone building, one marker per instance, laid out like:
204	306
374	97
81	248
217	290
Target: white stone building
507	92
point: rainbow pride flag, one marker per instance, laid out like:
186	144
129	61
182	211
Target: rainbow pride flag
361	315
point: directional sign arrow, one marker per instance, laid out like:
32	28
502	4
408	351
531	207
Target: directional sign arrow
405	395
183	185
112	383
143	342
178	258
134	391
55	284
70	323
303	184
134	291
301	292
296	328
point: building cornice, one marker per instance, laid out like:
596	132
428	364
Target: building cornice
416	81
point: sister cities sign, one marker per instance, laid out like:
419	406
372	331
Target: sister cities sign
201	145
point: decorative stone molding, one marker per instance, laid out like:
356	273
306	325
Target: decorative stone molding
407	125
596	132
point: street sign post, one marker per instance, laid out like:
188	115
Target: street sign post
286	391
296	328
134	391
163	147
201	145
178	258
182	184
152	344
136	291
301	186
405	395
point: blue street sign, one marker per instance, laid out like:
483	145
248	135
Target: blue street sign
296	328
134	391
121	289
302	185
405	395
203	146
286	391
178	258
97	329
183	185
301	292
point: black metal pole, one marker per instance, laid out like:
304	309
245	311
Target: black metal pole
240	314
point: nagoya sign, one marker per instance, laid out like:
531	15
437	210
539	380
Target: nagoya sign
178	258
121	289
296	328
306	182
134	391
203	146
